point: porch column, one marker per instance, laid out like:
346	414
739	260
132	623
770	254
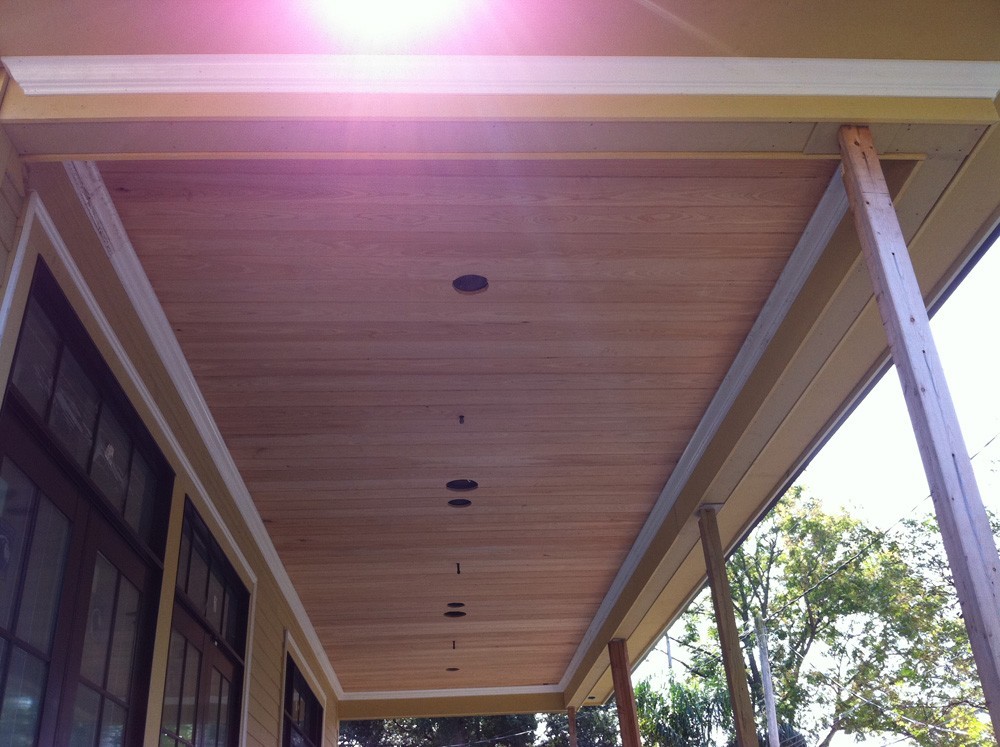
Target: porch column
968	541
628	717
729	638
571	713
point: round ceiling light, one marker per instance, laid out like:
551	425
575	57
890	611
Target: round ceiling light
461	486
459	502
455	613
470	284
451	669
456	604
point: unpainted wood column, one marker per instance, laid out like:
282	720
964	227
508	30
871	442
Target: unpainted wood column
628	716
571	713
729	638
968	540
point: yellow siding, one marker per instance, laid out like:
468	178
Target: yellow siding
11	194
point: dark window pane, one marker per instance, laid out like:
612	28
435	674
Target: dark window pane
166	741
197	587
184	559
34	369
174	683
228	626
123	640
99	621
22	699
17	497
112	725
85	710
303	714
216	592
43	582
210	732
109	467
74	409
189	694
141	496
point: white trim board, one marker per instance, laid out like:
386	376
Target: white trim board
499	75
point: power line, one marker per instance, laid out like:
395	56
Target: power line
494	739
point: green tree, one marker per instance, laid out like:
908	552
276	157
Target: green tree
596	726
516	730
685	715
864	629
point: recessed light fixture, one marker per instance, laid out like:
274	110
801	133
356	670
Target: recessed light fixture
470	284
455	613
451	669
459	502
456	605
461	486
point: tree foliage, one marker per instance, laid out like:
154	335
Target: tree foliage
596	726
517	730
864	630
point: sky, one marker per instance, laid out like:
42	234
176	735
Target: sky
871	468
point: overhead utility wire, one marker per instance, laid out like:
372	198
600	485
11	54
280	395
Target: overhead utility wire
494	739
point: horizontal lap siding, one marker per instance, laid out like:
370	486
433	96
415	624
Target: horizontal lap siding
11	194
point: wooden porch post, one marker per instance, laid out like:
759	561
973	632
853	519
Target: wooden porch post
628	717
968	540
571	712
729	639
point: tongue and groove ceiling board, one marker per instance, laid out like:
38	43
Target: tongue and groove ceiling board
314	305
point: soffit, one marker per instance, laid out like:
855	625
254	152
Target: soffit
350	381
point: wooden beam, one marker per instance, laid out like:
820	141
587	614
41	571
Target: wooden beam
729	639
968	540
571	712
628	716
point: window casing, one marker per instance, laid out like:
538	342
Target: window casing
302	721
205	662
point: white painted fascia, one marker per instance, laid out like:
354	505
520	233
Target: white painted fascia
501	75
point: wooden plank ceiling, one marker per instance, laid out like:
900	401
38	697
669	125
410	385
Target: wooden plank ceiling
314	303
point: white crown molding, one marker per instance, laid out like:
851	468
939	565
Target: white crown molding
829	212
484	75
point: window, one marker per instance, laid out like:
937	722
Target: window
83	498
303	717
205	663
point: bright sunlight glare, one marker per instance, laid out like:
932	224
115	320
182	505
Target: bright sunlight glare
380	21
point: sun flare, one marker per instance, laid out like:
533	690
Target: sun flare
389	20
